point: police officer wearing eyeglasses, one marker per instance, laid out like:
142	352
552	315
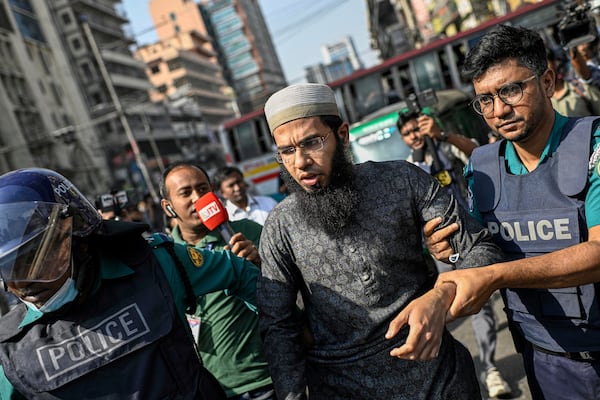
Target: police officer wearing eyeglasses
538	191
102	309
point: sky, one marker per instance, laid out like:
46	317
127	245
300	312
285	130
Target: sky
298	29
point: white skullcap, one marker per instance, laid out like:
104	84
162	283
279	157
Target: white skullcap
300	101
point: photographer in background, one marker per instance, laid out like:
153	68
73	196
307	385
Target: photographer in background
589	52
578	35
571	97
583	59
445	152
451	152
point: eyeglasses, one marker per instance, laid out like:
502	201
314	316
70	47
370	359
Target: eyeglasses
408	132
309	146
510	94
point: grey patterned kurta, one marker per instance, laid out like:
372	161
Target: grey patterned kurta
354	286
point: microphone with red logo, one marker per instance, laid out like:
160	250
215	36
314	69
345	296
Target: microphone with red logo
213	215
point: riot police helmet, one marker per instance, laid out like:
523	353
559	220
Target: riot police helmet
40	211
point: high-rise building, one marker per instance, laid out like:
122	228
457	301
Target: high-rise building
45	121
344	50
137	134
183	66
246	50
241	41
115	87
74	99
340	60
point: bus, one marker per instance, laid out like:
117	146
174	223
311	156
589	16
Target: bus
248	144
364	100
376	137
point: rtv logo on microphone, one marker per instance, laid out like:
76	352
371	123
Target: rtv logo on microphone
209	211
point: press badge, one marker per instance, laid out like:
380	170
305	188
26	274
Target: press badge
194	323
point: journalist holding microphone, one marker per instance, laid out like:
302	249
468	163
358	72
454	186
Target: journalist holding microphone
226	330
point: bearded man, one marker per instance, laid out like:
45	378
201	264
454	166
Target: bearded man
349	240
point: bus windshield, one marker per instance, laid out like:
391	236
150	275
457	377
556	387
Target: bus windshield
376	137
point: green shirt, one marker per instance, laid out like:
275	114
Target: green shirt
229	340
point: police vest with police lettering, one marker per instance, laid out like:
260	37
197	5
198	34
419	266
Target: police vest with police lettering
537	213
126	341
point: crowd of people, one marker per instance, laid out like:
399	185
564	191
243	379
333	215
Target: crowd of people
343	289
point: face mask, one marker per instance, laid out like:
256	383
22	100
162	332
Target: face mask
64	295
67	293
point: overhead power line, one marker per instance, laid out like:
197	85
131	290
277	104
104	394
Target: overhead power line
286	32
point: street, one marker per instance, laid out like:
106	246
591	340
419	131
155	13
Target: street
507	360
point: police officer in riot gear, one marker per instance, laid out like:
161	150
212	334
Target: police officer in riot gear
102	309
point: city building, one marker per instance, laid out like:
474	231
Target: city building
75	100
115	88
340	59
392	26
184	66
240	38
397	26
245	50
343	50
45	120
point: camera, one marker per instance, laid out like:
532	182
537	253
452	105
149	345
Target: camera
416	102
115	201
577	26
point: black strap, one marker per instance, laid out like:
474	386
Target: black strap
437	164
190	297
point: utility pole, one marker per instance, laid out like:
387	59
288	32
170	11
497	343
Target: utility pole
119	108
155	150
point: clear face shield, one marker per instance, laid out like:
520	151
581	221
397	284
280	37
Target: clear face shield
35	241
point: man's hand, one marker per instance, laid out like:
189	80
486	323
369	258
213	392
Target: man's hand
242	247
427	126
473	288
426	317
579	64
437	241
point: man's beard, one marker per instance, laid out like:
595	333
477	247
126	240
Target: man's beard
332	207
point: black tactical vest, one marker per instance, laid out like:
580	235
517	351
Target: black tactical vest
125	342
